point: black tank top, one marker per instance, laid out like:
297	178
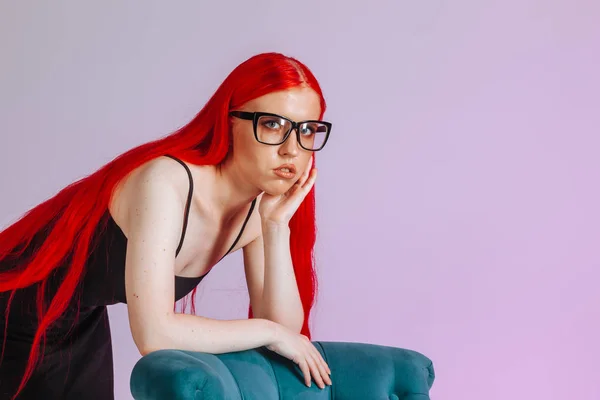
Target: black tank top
104	279
78	349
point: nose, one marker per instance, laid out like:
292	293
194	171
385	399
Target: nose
291	145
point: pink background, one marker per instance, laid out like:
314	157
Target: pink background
457	199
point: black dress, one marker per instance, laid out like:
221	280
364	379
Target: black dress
78	361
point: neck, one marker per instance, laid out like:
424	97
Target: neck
232	192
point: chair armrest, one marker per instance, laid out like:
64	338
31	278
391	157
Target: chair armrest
358	371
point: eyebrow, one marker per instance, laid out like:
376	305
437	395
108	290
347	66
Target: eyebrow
296	120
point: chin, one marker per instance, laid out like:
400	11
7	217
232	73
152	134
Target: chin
276	188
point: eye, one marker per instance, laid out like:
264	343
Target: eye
272	124
307	130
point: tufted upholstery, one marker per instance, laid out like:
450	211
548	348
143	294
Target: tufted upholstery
359	371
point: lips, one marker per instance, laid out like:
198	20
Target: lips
286	171
287	168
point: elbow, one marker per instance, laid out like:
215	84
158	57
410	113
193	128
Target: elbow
148	345
149	339
294	324
145	345
151	345
147	349
297	327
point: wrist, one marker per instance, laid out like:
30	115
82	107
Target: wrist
274	227
272	331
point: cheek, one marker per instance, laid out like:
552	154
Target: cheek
306	160
255	156
261	154
244	147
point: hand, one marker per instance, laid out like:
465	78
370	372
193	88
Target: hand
301	351
280	209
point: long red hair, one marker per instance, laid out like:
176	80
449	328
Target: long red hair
75	212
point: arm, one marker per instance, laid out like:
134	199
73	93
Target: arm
271	279
274	295
154	224
154	221
268	261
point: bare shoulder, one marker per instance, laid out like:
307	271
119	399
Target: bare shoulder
152	181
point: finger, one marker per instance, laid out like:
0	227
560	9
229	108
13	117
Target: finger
309	166
323	367
318	361
318	356
297	193
326	370
305	174
301	181
323	375
305	371
323	362
310	181
316	373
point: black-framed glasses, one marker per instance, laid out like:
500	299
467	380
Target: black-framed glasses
273	129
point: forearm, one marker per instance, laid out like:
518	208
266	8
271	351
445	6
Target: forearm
196	333
281	298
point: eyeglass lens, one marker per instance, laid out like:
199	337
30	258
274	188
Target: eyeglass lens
272	130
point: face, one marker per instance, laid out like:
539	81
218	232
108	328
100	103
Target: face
258	163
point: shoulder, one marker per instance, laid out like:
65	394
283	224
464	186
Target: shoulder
157	180
161	169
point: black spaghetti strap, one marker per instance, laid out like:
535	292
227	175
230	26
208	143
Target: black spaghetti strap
241	230
188	202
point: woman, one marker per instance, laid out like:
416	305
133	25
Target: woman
146	228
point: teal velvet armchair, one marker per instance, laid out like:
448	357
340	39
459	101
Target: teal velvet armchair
359	371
